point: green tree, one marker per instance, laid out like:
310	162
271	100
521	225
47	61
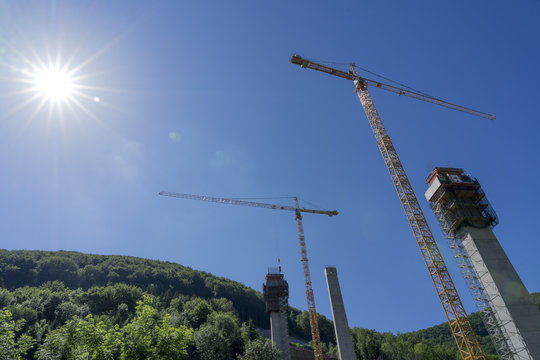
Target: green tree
195	312
85	338
228	327
67	310
58	268
302	320
6	298
260	349
445	353
249	333
91	275
19	312
107	299
147	337
222	305
210	344
12	347
367	343
423	351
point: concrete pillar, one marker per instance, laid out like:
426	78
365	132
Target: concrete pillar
341	325
503	286
280	334
467	218
276	294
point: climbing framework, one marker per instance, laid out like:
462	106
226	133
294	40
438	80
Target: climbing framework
276	294
466	218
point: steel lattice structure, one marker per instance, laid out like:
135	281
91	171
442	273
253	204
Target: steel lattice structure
458	320
466	340
505	336
313	322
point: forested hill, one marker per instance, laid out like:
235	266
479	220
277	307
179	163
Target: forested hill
46	296
96	274
164	279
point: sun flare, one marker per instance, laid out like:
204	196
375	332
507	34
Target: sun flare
54	84
47	83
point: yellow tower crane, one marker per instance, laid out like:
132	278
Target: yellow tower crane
317	349
463	333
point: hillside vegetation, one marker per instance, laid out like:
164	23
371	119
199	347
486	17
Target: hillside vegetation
68	305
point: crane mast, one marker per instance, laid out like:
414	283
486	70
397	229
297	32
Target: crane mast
464	336
312	312
453	308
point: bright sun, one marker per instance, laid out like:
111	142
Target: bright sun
56	85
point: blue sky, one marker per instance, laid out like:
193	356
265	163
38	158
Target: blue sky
199	97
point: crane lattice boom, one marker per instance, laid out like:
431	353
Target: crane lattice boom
460	325
296	59
247	203
317	348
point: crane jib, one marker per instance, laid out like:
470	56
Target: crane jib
247	203
298	60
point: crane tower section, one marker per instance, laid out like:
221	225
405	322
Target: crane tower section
466	217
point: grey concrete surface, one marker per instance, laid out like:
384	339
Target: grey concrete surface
341	325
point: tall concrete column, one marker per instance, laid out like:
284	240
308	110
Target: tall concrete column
280	334
466	217
276	294
503	286
341	325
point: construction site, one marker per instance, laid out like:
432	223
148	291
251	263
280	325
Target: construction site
465	217
265	180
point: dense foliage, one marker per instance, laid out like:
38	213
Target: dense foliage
53	322
76	270
67	305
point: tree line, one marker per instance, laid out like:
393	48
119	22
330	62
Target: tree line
68	305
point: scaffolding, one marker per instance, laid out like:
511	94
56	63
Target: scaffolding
456	200
276	294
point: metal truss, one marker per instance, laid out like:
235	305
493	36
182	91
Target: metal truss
313	322
505	336
466	340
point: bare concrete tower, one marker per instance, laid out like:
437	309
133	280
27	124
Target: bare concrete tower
341	325
276	294
510	315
